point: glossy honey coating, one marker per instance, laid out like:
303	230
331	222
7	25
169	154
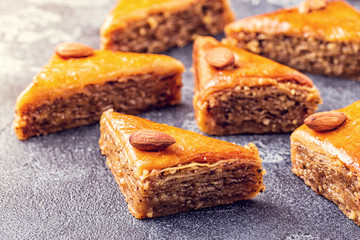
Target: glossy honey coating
127	11
338	21
63	77
250	70
189	146
342	143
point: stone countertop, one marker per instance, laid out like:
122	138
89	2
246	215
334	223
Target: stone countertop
59	187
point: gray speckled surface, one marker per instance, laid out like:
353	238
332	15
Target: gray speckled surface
59	187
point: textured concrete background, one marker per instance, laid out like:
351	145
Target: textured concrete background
58	186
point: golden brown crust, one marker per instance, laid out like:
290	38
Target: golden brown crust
61	77
252	70
189	146
337	22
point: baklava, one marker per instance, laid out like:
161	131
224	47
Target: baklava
193	172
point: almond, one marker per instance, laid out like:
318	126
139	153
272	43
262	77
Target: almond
220	57
325	121
311	5
149	140
73	50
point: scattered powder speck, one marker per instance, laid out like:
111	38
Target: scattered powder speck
22	24
189	122
73	3
272	152
301	237
284	2
8	63
35	69
28	25
253	2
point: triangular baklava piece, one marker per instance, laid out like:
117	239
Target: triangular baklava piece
79	83
325	153
164	170
319	36
239	92
157	25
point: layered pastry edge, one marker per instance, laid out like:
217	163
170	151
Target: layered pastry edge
71	92
313	42
192	184
141	27
329	161
255	95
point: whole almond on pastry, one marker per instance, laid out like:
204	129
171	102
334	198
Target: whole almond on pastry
73	50
311	5
325	121
150	140
220	57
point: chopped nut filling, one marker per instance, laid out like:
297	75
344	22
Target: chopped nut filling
340	59
160	32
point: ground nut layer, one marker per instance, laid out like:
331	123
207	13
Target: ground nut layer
341	59
328	177
161	31
128	94
184	187
268	109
